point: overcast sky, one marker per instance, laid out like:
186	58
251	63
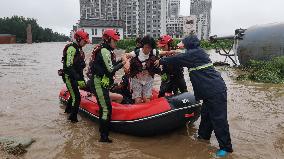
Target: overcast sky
227	15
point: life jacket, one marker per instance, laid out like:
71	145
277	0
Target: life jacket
91	69
78	62
96	64
64	56
136	66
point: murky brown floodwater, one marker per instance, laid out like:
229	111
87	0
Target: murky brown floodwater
29	107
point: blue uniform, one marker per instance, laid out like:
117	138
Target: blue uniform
209	86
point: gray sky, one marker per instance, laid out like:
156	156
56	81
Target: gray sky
227	15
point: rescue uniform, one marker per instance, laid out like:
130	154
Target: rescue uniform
208	86
73	65
102	70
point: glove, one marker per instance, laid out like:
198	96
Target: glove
81	84
105	81
164	77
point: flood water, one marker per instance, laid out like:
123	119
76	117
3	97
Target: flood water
29	107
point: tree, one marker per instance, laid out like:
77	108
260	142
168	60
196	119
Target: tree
17	25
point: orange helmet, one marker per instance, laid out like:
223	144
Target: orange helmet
164	40
111	33
82	35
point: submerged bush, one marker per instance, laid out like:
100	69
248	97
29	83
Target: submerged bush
264	71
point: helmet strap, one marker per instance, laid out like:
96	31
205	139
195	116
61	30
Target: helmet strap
78	40
107	40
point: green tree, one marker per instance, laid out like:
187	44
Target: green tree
17	25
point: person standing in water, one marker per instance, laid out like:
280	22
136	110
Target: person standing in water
102	68
73	64
209	86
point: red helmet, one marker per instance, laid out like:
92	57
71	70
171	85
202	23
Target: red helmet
82	35
111	33
164	40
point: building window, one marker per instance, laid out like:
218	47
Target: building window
96	32
92	31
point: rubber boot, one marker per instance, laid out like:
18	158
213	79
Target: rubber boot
221	153
104	138
73	116
68	107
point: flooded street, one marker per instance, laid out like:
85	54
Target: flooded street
29	107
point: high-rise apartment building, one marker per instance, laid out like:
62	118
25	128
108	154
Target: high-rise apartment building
141	17
99	9
202	10
154	17
173	8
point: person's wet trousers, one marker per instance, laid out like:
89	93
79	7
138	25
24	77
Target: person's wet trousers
214	118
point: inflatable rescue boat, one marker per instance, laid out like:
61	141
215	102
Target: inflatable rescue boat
160	115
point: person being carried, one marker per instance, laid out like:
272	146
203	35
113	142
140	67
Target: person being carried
209	86
73	64
102	68
172	76
142	69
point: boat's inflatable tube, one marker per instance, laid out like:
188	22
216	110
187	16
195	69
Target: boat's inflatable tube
158	116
